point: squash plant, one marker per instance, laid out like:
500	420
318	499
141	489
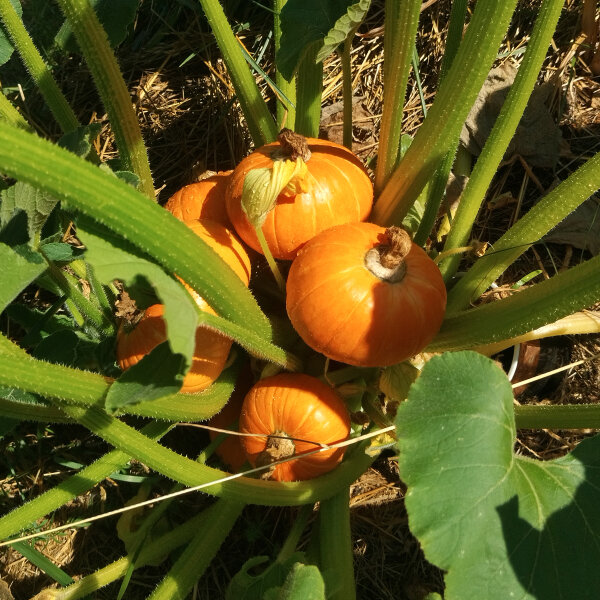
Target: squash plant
484	515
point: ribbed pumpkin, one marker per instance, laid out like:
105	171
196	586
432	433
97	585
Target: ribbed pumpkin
291	405
364	295
225	244
212	349
204	199
210	353
339	191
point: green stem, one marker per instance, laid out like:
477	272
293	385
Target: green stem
93	316
535	306
194	560
401	22
21	371
26	411
190	473
74	486
38	70
458	13
566	416
288	88
501	134
346	57
94	44
538	221
335	540
117	205
11	115
445	118
270	260
261	125
309	89
293	538
149	554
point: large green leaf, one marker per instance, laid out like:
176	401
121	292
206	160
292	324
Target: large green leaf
18	271
501	525
306	21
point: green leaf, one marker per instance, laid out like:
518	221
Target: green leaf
6	47
501	525
59	251
59	347
19	269
37	205
80	140
343	27
395	381
158	374
247	586
116	17
306	21
113	258
303	583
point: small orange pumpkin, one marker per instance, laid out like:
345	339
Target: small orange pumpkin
204	199
210	353
338	191
364	295
291	405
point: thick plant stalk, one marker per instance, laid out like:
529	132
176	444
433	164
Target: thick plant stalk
218	483
447	115
401	21
261	125
579	323
25	411
74	486
194	560
37	68
534	307
335	540
94	44
288	88
309	89
566	416
538	221
11	115
128	213
501	134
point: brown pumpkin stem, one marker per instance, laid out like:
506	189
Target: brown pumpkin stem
277	448
293	145
386	260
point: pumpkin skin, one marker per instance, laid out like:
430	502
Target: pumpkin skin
202	200
225	244
299	406
210	353
341	309
341	192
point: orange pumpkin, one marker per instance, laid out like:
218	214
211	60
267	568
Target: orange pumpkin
210	353
338	191
202	200
298	409
225	244
364	295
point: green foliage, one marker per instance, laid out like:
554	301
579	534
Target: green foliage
485	515
306	21
116	18
6	48
80	140
304	582
20	267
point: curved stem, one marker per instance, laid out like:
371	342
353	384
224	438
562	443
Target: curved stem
309	89
565	416
288	88
270	260
37	68
501	134
11	115
94	44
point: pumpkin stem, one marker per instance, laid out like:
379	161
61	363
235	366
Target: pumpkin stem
279	446
293	145
386	260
